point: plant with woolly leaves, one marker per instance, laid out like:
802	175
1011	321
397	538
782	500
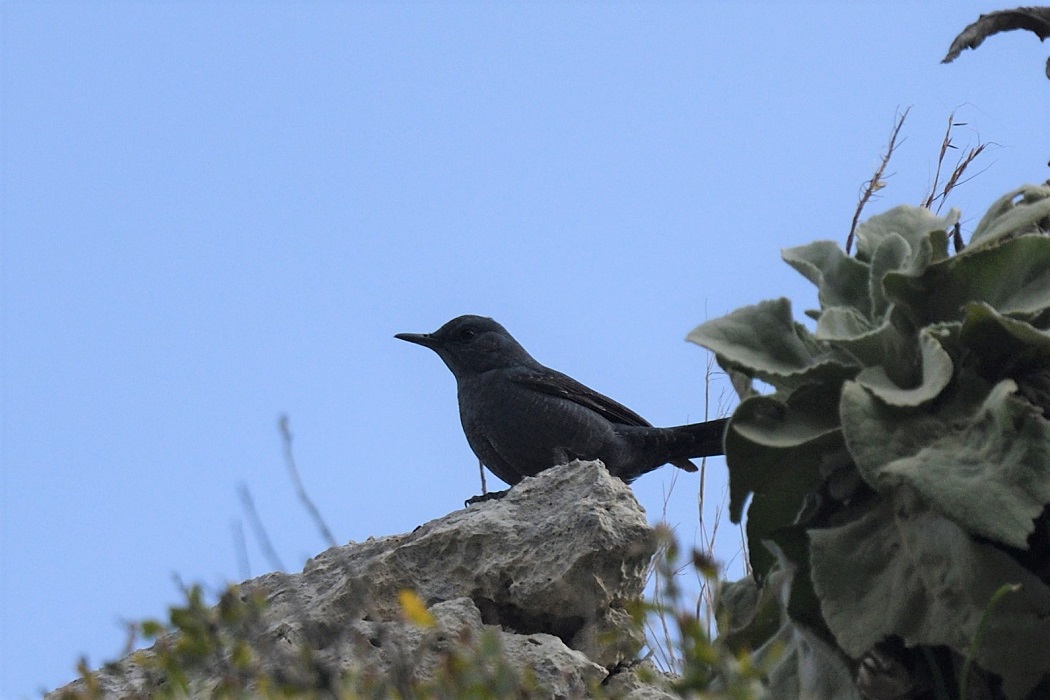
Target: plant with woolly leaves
899	472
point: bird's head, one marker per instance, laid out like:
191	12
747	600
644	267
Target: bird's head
471	345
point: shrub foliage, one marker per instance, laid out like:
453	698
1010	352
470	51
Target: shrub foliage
897	476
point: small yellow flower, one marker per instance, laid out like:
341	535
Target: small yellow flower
414	609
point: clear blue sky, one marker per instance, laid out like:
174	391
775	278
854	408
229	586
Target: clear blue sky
215	213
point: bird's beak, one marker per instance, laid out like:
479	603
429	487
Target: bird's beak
424	339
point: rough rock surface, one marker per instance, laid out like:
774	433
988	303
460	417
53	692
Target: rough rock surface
547	570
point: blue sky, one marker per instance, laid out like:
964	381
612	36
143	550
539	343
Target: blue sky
216	213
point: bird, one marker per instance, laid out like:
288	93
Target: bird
521	417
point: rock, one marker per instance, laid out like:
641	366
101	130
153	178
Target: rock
640	681
534	584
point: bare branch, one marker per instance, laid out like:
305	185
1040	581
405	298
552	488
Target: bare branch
955	179
289	460
241	546
876	182
945	145
259	529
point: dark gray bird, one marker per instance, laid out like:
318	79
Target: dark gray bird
521	417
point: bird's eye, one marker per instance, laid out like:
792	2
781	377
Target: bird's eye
468	334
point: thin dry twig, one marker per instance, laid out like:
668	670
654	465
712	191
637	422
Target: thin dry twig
705	603
241	546
660	642
289	460
877	181
945	145
955	178
708	370
743	548
664	644
259	528
667	646
660	634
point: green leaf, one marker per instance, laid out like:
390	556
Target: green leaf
808	667
1003	345
790	546
801	663
151	629
1013	277
766	343
891	345
771	445
893	253
843	323
903	569
748	615
937	368
986	466
925	232
841	280
767	514
776	451
1008	217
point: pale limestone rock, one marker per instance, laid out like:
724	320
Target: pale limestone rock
547	569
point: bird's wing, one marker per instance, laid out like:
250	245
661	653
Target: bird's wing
549	381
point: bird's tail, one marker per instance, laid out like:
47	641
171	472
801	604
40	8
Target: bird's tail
701	439
676	445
